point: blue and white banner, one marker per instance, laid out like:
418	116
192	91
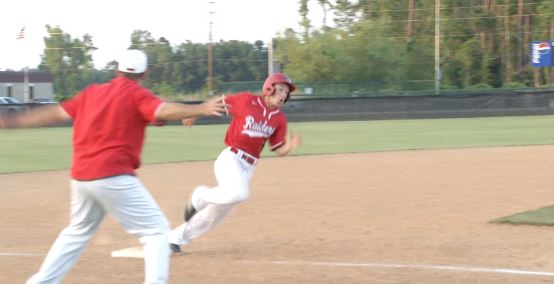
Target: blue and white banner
541	54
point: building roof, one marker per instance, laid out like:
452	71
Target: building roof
18	77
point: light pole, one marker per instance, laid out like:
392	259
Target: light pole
210	53
270	57
437	47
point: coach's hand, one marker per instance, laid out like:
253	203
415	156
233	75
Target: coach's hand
214	106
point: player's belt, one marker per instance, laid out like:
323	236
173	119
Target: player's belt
241	154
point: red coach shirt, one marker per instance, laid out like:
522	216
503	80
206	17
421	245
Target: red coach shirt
109	122
253	124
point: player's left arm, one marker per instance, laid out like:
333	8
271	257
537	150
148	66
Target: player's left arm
284	141
292	141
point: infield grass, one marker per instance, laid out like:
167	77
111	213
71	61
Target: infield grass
50	148
539	217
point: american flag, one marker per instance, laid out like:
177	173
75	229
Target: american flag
21	34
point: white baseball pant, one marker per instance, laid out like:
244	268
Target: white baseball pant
214	204
130	203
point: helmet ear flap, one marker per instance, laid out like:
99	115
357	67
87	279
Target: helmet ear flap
269	90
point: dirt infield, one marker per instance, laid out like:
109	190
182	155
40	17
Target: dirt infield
388	217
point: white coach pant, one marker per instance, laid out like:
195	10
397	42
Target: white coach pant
130	203
214	204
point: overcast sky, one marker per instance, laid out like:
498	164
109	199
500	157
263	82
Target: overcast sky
110	23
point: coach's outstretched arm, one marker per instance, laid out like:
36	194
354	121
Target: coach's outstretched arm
35	117
55	113
179	111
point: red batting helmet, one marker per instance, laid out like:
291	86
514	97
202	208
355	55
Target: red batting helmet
269	89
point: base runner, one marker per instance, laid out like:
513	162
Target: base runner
255	121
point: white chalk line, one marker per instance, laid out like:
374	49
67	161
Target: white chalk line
412	266
377	265
21	254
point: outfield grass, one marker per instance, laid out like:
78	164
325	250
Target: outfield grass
50	148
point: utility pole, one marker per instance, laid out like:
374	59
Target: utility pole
210	53
270	57
26	85
437	47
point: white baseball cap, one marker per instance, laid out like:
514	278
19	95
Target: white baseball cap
132	61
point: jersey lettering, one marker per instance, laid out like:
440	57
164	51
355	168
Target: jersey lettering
256	129
253	124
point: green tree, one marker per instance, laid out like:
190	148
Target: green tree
325	5
160	56
191	66
69	61
305	21
345	14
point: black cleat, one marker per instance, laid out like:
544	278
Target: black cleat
175	248
189	211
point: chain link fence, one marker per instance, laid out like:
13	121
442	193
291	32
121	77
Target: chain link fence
373	88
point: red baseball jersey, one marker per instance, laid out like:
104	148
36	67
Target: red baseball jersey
109	122
253	124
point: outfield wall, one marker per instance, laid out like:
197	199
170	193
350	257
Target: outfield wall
411	107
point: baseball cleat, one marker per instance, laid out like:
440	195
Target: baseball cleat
189	211
175	248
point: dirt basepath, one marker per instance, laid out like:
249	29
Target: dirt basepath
389	217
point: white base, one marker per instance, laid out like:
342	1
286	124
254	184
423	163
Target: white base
132	252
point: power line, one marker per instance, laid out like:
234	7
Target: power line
71	47
461	18
496	16
461	7
468	34
210	49
499	5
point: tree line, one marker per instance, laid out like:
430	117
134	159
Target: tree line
483	44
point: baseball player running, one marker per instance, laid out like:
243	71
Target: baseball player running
109	121
255	120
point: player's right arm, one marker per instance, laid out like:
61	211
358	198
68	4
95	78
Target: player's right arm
35	117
